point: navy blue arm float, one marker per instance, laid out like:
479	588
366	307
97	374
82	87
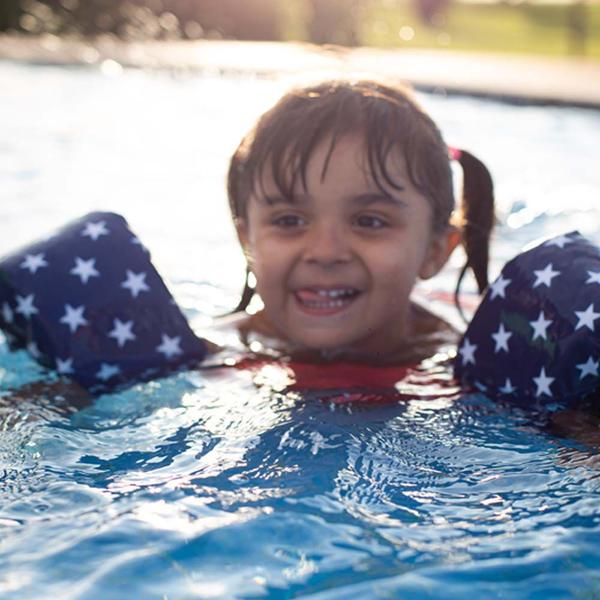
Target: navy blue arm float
536	334
89	303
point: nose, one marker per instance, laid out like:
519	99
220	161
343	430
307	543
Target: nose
327	245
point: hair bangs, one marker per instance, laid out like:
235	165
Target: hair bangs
387	119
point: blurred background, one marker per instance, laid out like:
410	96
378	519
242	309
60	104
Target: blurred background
129	106
547	27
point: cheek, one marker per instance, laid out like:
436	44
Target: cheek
271	268
396	269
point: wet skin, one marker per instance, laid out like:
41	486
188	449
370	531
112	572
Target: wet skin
335	264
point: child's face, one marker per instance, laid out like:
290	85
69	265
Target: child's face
335	265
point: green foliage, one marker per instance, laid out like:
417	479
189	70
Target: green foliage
527	26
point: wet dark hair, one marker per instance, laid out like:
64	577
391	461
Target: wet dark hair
389	120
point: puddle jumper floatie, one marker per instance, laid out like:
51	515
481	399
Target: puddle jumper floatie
536	333
89	303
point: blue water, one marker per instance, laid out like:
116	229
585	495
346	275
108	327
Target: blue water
221	485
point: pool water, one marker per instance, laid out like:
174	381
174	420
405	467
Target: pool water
226	483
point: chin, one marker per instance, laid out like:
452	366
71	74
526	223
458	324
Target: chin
324	341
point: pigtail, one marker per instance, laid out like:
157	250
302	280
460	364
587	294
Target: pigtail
478	219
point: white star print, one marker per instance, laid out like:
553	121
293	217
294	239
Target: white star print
33	350
135	283
507	388
73	317
498	288
64	367
586	317
588	368
25	306
95	230
85	269
543	383
107	371
545	276
7	313
33	262
122	332
169	346
501	338
594	277
559	241
467	352
540	326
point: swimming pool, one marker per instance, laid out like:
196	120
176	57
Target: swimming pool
209	485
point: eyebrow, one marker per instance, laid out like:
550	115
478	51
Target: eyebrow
379	197
365	199
272	200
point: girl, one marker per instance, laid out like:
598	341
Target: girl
342	197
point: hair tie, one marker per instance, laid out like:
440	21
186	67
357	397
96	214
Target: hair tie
454	153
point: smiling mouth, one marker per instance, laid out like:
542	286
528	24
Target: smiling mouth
321	301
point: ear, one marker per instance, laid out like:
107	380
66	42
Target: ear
241	228
440	248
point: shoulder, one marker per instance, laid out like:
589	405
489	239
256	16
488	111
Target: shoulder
425	321
430	334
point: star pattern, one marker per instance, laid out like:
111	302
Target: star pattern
508	388
64	367
593	277
122	332
501	338
25	306
33	262
169	346
540	326
73	317
467	352
7	313
545	276
537	331
95	230
498	288
543	383
590	367
33	350
135	283
85	269
90	302
587	317
560	241
107	371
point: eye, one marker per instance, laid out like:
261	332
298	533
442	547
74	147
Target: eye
288	221
371	222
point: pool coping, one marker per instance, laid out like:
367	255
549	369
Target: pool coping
522	79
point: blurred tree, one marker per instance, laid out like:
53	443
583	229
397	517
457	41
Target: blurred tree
577	27
432	12
239	19
10	13
334	21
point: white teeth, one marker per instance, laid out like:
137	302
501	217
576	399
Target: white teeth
330	304
336	293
